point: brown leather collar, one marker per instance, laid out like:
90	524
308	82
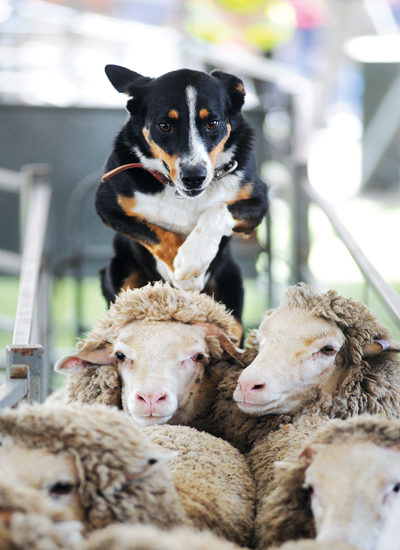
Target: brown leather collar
219	173
155	173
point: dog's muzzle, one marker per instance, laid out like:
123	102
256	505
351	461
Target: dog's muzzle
181	193
198	179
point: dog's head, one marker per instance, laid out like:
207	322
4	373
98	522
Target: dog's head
182	122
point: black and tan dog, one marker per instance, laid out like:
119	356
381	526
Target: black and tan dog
181	180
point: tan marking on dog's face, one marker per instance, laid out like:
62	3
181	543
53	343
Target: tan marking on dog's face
173	114
158	153
204	113
240	88
220	147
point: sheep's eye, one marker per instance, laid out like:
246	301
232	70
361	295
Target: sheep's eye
120	356
198	357
328	350
213	124
61	488
164	126
396	488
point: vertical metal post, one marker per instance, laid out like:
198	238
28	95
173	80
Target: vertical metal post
32	356
300	233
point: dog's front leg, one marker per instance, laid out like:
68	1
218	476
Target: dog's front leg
202	244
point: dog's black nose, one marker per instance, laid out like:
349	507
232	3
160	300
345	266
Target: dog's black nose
193	176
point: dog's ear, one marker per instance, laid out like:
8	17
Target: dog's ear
234	86
124	80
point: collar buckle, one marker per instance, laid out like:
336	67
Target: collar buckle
225	170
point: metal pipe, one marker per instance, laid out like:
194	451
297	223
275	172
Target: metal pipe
12	391
32	256
384	290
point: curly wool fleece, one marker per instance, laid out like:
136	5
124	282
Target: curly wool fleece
370	385
123	475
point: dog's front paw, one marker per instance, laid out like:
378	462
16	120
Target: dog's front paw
194	283
192	263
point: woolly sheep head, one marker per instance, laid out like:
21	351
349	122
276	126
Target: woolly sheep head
352	477
87	463
305	346
160	341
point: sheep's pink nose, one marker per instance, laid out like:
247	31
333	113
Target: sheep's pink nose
248	388
151	398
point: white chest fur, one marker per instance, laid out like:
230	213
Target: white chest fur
180	215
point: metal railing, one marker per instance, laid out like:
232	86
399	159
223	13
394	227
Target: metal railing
305	195
301	92
26	375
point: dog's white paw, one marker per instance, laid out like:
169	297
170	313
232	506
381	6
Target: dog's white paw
194	283
191	262
201	245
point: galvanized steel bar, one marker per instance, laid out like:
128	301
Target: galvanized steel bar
32	255
12	391
384	290
31	357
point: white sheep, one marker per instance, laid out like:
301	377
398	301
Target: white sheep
153	354
318	355
29	520
219	479
343	487
315	352
148	537
96	466
313	545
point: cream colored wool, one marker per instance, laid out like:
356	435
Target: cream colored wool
213	480
123	478
146	537
282	444
369	386
119	479
313	545
35	532
157	302
286	512
34	525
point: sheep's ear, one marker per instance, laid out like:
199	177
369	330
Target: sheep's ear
378	346
308	452
71	364
211	330
395	447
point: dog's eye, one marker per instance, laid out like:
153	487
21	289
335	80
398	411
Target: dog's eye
120	356
165	127
213	124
